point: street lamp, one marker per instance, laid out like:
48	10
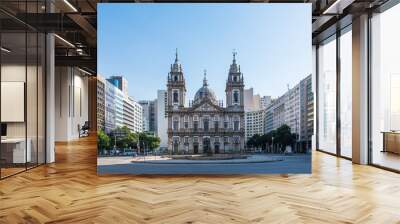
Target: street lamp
273	144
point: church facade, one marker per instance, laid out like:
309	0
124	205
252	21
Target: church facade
206	125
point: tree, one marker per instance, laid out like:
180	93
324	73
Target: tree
251	142
284	137
258	140
125	138
103	140
153	142
148	141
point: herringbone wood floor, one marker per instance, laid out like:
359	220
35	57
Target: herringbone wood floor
70	191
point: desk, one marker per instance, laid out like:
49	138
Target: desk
391	141
13	150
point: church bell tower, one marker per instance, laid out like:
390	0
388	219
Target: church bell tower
234	85
176	85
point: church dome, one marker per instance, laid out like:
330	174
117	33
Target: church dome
205	92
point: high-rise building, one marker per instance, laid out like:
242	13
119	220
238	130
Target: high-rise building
306	110
254	123
101	101
120	82
265	101
251	101
133	115
294	108
121	110
254	108
275	114
109	120
119	107
149	115
161	117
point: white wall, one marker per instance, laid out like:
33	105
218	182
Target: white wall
71	103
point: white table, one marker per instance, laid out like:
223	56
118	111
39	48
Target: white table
19	153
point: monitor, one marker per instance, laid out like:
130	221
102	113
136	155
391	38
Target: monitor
3	129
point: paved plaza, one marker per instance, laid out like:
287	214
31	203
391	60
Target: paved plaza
254	164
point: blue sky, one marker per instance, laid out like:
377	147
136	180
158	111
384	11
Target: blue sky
138	41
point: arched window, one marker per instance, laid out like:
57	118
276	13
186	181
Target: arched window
195	123
175	78
175	124
186	122
206	124
235	97
216	123
175	96
236	124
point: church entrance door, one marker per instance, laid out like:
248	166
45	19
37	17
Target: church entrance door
206	145
216	148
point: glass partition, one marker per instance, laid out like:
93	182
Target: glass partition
13	94
22	107
346	93
327	95
385	89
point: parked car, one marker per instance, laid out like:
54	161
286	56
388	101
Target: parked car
130	153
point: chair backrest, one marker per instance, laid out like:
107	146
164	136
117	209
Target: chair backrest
86	125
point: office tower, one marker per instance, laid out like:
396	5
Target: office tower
101	100
132	115
161	117
149	115
120	82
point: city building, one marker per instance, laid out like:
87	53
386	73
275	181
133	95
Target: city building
101	102
306	112
205	126
254	123
149	115
132	115
251	102
121	109
120	82
110	107
254	107
161	118
295	109
265	101
275	114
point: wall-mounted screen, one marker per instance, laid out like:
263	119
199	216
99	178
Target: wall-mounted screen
12	101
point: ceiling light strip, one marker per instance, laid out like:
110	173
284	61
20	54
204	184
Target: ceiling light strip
5	50
84	71
70	5
64	40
